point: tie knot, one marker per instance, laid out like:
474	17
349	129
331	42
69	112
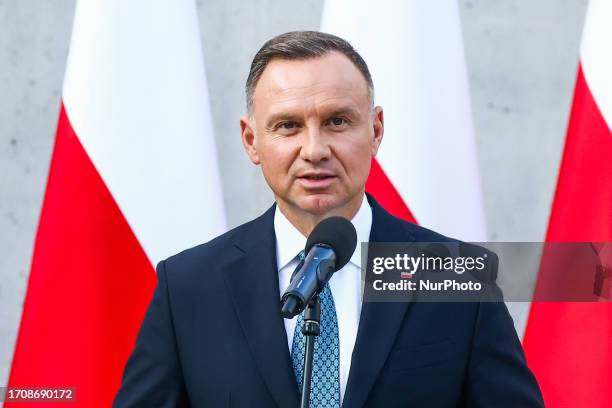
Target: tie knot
301	255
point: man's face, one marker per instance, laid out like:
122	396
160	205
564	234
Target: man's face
314	133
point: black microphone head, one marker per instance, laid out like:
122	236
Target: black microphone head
339	234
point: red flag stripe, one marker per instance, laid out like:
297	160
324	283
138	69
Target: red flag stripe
379	185
567	344
89	284
582	208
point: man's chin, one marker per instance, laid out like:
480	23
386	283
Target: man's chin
320	204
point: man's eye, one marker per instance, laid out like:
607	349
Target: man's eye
287	125
337	121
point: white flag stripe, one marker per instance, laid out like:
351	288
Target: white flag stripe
139	106
596	55
415	53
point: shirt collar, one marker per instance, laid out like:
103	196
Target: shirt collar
290	241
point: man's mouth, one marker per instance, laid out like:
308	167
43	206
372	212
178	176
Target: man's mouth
317	177
316	181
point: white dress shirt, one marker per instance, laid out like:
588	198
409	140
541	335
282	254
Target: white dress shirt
345	284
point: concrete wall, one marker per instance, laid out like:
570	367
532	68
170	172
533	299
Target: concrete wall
34	37
521	58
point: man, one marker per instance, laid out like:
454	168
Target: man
213	334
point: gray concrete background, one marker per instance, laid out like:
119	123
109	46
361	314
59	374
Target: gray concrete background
521	58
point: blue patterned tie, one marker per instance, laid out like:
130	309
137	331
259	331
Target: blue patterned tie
325	387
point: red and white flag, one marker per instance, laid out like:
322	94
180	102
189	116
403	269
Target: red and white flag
426	169
133	179
568	344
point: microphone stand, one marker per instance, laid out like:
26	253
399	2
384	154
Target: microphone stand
310	329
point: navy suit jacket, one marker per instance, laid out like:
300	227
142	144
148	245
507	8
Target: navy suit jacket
213	336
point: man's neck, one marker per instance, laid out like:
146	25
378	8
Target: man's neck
305	222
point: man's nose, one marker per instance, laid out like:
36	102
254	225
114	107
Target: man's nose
315	146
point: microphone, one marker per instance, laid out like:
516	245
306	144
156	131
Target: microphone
328	248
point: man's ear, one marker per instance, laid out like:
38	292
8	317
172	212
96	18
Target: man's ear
247	132
378	124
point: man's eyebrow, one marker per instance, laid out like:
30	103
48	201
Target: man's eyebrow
293	117
343	111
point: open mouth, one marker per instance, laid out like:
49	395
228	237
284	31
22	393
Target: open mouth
316	181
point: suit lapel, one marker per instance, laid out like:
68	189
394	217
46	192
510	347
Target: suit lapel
379	322
253	286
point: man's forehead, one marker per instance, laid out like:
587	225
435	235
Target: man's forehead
331	78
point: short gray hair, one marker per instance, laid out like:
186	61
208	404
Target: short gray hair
301	45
